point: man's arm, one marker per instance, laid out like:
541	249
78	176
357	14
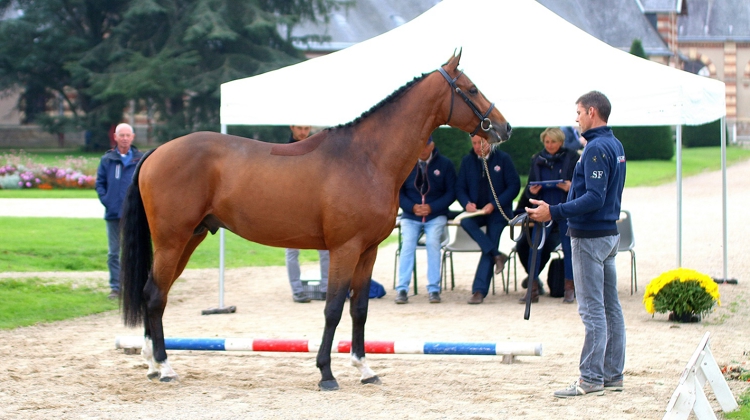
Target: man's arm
596	172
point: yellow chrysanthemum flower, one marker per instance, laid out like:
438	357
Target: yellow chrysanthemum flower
681	275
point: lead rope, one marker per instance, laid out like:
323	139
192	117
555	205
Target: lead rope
492	187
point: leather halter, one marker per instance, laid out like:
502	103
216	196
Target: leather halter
483	118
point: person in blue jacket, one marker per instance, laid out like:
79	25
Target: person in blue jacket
424	198
113	177
475	194
592	211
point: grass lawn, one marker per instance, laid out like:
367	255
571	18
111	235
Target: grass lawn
30	301
65	244
694	161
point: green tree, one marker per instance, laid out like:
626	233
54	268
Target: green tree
169	56
636	48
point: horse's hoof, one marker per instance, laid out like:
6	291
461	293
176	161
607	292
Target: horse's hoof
167	378
330	385
153	375
371	380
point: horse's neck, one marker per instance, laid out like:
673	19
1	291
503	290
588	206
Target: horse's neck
402	128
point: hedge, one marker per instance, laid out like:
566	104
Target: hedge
705	135
646	143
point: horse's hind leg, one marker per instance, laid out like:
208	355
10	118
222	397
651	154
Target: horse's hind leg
358	306
168	264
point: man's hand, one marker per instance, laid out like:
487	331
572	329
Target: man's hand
471	207
489	208
422	210
540	213
534	189
565	186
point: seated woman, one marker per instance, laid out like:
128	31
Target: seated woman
553	163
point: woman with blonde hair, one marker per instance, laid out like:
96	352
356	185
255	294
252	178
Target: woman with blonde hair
552	163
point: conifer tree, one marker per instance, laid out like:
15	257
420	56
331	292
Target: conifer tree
167	57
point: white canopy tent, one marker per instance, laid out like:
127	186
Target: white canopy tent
529	61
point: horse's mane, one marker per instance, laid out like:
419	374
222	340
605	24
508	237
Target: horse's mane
390	98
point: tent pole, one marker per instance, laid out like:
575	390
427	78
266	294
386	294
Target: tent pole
678	135
222	239
724	200
221	309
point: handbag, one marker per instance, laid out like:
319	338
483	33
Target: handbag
556	277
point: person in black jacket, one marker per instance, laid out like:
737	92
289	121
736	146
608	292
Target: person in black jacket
474	192
113	177
424	198
553	162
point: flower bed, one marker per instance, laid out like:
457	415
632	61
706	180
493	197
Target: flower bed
682	293
19	171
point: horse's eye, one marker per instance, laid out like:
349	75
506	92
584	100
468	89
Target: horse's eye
473	90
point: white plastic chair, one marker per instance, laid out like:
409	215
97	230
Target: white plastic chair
462	242
627	243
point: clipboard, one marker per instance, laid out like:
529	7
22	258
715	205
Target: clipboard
547	184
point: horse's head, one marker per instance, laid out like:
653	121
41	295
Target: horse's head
475	114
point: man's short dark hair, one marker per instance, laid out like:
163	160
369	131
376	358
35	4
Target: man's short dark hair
598	101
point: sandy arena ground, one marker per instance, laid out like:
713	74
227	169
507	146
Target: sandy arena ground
71	369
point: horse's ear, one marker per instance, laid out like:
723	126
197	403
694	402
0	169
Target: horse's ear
454	60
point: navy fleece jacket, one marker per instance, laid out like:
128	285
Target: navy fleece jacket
441	178
593	205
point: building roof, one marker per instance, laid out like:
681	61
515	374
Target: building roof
618	23
712	20
660	6
366	19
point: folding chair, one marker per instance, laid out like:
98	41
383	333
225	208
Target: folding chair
627	243
462	242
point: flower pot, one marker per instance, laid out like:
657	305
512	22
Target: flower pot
684	318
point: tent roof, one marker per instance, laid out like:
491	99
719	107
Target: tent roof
516	51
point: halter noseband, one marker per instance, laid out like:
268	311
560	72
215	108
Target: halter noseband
483	118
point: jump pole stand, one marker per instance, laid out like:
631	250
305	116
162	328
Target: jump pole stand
508	350
221	309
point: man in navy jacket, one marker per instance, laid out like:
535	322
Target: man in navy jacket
424	198
474	193
592	210
113	177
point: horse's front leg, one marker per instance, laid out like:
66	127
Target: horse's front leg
358	309
335	299
154	349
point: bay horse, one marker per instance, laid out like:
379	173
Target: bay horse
337	190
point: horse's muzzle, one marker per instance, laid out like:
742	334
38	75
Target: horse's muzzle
500	133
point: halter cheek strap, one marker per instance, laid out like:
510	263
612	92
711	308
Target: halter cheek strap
484	122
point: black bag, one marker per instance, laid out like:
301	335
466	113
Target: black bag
556	277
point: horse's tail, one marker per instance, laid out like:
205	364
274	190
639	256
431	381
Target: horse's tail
136	255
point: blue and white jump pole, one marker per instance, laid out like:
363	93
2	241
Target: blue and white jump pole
507	350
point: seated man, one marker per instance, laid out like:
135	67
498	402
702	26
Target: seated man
299	133
424	198
475	192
